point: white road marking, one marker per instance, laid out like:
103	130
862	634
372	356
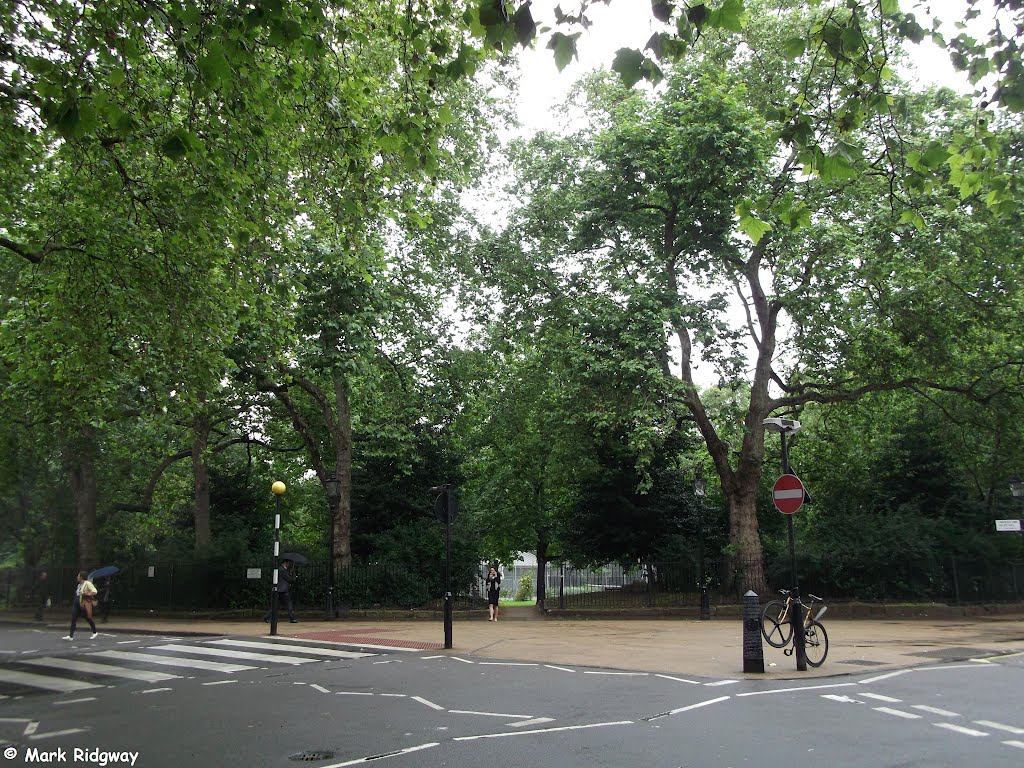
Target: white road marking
389	661
560	669
534	721
698	705
884	677
172	661
74	701
792	690
880	697
1000	726
31	728
14	720
485	714
542	730
393	695
102	669
464	661
430	704
397	752
898	713
224	653
624	674
42	681
358	693
320	688
156	690
1017	744
52	734
841	699
221	682
960	729
332	652
680	679
935	710
508	664
721	682
399	649
428	658
127	642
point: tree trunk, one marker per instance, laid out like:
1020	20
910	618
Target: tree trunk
342	523
80	463
542	569
201	481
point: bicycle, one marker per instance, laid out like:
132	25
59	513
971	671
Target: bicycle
777	628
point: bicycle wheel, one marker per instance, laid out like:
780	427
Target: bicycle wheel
776	630
815	644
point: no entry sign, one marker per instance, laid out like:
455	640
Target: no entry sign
788	494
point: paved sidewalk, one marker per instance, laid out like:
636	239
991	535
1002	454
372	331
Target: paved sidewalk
690	647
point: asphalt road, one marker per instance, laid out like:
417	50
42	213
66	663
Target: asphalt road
258	701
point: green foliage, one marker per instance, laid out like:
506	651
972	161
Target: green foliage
524	590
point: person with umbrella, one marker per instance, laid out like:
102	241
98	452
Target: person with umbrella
285	580
106	598
85	596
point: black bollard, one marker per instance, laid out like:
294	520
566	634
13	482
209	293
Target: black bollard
753	651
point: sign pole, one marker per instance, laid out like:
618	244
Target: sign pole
799	642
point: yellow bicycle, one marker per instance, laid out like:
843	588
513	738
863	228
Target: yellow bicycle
777	627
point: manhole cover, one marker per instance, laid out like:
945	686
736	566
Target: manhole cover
311	757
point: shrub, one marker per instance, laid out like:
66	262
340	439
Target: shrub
525	589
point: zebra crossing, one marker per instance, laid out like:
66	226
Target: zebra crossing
160	662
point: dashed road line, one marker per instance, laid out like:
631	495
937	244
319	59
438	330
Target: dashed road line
935	710
383	755
533	721
680	679
560	669
540	730
960	729
622	674
74	701
880	697
797	690
487	714
698	705
1000	726
897	713
430	704
1017	744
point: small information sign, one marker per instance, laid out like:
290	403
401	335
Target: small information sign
1008	525
253	573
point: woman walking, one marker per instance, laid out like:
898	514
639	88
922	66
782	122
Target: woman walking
493	589
82	602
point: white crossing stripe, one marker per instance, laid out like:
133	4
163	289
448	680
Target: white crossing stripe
960	729
1018	744
74	665
898	713
42	681
361	645
1000	726
880	697
333	652
172	661
229	654
935	710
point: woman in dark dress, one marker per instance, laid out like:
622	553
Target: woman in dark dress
493	588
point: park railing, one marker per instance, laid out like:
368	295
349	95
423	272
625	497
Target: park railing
206	587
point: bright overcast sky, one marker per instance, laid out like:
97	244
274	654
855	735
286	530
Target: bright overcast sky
629	24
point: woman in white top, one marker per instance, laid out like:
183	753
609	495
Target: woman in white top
82	602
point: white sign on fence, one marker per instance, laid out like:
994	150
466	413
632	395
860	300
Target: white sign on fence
253	573
151	572
1008	525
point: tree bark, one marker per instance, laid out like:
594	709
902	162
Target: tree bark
201	481
342	433
80	464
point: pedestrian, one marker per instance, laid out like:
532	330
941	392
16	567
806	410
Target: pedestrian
493	589
285	580
42	594
106	599
82	602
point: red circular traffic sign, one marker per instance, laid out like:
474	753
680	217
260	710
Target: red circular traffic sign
788	494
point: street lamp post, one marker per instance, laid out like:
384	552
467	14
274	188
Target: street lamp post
332	486
788	427
699	489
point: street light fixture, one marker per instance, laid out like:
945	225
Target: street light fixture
788	427
1017	487
700	486
332	486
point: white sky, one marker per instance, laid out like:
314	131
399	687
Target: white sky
629	24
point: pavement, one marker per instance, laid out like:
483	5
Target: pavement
676	646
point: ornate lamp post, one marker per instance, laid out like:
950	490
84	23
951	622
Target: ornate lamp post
699	489
332	485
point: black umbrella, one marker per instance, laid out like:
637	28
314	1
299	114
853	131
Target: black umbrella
295	557
106	570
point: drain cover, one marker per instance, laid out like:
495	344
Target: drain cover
311	757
